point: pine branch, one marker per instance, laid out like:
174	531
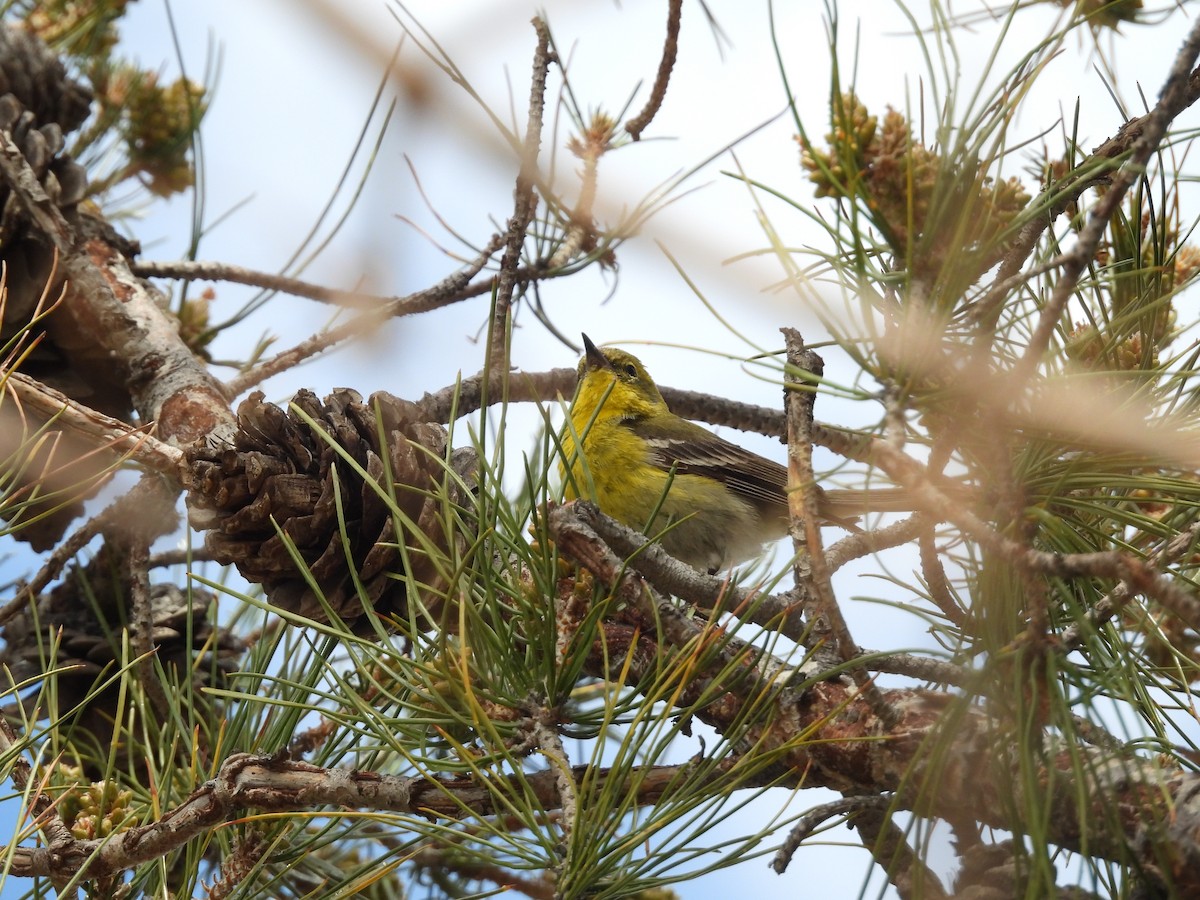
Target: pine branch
273	784
828	735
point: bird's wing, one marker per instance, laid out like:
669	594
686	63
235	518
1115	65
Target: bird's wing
748	475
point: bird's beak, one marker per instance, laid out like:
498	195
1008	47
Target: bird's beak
595	359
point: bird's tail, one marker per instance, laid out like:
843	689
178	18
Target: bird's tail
852	503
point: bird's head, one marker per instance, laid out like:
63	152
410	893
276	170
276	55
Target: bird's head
619	381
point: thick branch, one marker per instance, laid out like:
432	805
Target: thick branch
167	383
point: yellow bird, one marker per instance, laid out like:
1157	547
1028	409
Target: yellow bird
717	503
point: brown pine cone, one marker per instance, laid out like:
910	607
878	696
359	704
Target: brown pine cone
283	471
91	609
31	72
39	105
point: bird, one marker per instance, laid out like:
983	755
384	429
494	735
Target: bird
709	502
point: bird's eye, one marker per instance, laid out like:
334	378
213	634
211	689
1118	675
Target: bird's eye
631	370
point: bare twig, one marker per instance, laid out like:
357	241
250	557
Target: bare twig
201	270
635	126
935	578
449	291
813	574
177	557
142	604
524	202
1115	600
863	543
1056	199
550	743
471	394
922	668
817	816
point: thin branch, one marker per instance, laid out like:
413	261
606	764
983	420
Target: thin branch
807	824
922	668
1115	600
549	742
201	270
448	291
635	126
1056	199
864	543
812	572
486	388
524	202
813	578
472	393
128	514
180	557
935	579
142	604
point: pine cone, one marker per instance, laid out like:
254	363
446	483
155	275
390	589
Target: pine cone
39	105
90	607
31	72
282	471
